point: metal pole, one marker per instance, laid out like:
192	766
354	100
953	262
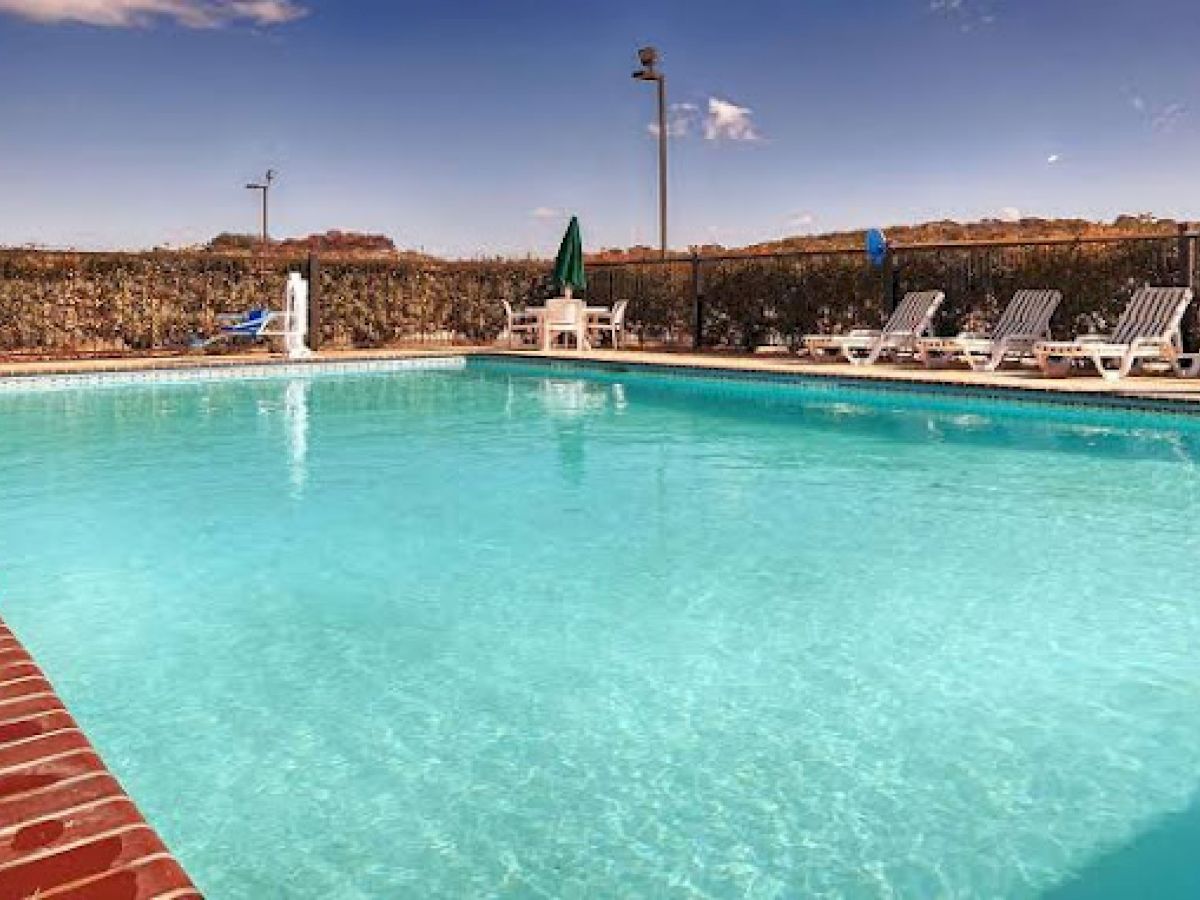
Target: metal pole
662	162
649	58
264	188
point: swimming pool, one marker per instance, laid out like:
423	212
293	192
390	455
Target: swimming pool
509	631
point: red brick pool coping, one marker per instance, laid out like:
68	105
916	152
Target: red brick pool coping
68	830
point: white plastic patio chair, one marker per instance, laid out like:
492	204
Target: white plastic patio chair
565	316
523	322
610	322
1148	329
911	320
1024	322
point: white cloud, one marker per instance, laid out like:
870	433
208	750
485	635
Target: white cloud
1053	158
729	122
141	13
721	120
546	213
1010	214
801	220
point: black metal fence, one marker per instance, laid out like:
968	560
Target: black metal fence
742	302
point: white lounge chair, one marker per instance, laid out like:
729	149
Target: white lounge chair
1148	329
524	322
610	322
1024	322
910	321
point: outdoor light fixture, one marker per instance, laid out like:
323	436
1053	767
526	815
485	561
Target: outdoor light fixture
265	187
649	58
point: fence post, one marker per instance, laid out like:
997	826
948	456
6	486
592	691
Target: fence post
1187	256
697	304
890	279
314	301
1187	278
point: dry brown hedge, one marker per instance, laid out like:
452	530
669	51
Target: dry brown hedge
61	303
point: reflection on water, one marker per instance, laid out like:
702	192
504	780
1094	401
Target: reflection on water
570	403
574	397
295	411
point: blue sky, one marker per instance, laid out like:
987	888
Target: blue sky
474	127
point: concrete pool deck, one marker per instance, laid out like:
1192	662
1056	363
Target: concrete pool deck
68	830
1159	390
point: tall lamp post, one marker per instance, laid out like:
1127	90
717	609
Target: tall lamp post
650	59
265	188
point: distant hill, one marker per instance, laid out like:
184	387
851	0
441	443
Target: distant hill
349	244
331	243
945	231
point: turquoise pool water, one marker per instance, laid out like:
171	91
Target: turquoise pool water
514	633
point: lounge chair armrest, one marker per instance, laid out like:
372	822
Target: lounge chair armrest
1093	339
866	332
973	335
1150	342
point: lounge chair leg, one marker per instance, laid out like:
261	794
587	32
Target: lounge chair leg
872	355
1108	374
1191	370
996	360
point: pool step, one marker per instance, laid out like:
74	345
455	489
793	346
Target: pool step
68	831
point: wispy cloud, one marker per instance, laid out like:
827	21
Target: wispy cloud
1053	159
719	120
546	214
966	14
1169	117
1163	120
801	220
143	13
681	120
1010	214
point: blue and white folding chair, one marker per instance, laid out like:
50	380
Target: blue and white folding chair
253	324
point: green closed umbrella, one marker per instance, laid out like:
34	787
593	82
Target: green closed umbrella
568	268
